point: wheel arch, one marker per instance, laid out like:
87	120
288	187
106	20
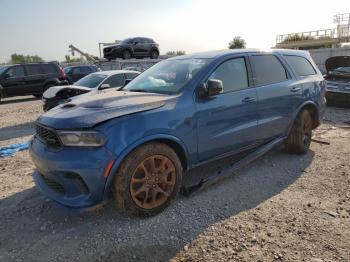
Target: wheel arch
173	142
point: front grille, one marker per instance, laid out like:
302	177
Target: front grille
47	136
53	184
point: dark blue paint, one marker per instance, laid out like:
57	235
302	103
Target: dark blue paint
203	129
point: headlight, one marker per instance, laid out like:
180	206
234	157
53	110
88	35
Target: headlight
82	138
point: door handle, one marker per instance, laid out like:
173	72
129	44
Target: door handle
295	89
248	99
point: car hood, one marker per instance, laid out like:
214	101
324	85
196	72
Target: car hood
87	111
337	61
52	91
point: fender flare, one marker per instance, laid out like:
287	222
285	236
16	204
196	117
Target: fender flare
120	158
296	113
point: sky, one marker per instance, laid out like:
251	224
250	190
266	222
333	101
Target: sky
47	27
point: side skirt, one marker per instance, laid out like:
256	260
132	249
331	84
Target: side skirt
230	167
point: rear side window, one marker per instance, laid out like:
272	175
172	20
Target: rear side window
33	70
268	70
233	74
115	80
301	65
49	69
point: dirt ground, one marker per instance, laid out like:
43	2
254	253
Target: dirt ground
279	208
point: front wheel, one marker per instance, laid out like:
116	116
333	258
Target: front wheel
126	54
299	139
148	180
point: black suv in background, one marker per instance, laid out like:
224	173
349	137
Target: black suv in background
74	73
29	79
138	47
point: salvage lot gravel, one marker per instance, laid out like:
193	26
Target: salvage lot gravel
281	207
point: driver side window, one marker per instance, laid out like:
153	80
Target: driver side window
16	71
233	74
115	81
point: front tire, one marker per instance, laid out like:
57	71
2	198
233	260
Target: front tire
126	54
299	139
147	180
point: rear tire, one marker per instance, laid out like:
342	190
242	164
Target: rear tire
299	139
147	180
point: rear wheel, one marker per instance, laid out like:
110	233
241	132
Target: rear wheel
299	139
148	180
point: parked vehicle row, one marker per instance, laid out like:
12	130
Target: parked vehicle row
92	84
139	142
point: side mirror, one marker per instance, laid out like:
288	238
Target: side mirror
104	86
127	81
212	87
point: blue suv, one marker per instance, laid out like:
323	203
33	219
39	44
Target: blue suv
140	142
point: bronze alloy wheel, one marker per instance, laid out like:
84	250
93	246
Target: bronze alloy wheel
307	128
153	182
299	138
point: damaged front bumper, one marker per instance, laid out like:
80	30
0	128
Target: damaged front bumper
72	177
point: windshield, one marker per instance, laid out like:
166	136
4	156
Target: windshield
343	69
167	77
92	80
67	69
2	70
127	41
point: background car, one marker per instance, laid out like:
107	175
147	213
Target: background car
74	73
139	47
338	80
29	79
91	83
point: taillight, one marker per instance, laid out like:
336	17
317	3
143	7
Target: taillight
62	73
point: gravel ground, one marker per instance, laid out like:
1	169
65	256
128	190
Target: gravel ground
281	207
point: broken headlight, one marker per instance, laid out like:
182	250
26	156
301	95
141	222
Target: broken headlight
82	138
